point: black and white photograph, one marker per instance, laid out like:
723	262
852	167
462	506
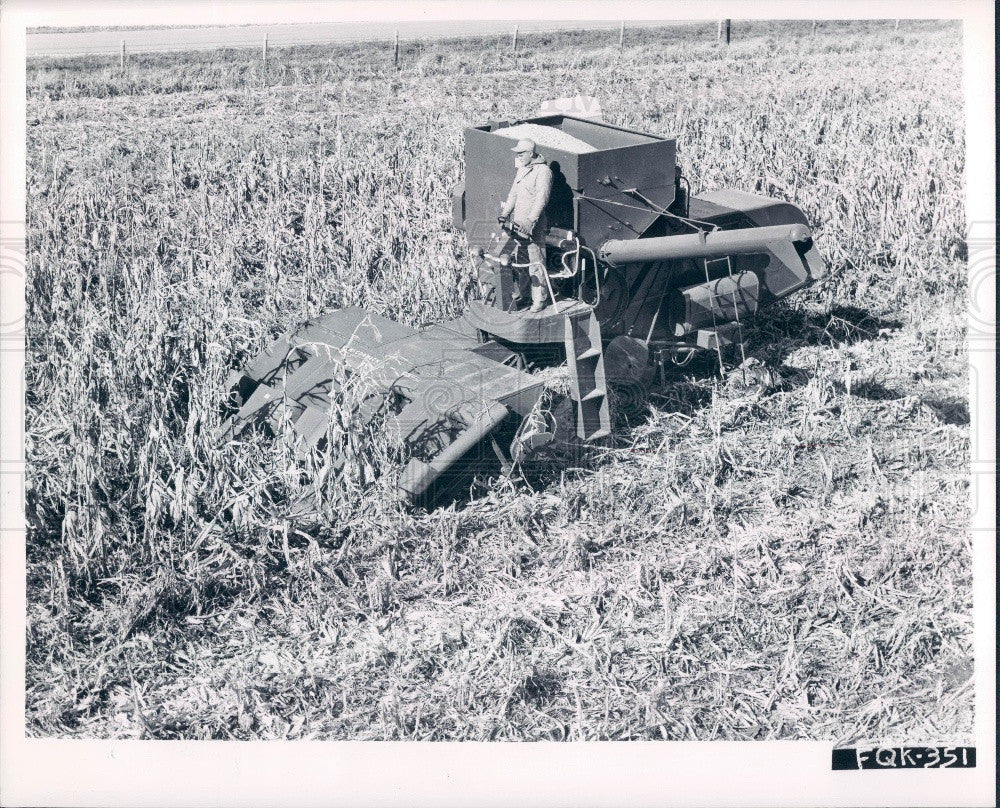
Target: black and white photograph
466	373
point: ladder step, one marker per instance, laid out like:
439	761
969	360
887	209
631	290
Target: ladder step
585	357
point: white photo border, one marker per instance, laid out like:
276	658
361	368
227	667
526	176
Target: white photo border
217	773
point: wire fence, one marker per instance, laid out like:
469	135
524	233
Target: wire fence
43	44
153	41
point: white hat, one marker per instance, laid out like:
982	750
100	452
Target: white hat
524	145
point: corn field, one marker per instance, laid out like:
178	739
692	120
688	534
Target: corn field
781	560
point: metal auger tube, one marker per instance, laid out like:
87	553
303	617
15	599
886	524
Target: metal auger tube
701	245
418	477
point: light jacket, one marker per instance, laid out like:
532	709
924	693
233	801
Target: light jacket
529	194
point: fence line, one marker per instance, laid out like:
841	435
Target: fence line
267	45
723	27
208	44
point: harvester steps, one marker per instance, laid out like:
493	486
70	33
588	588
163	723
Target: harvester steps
585	358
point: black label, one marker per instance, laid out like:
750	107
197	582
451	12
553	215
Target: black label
905	757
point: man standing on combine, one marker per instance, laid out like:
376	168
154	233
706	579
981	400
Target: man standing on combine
526	204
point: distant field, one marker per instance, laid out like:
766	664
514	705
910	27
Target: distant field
83	40
784	558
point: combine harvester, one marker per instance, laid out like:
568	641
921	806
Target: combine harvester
641	274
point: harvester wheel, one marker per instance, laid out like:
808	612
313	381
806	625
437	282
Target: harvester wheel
626	359
629	374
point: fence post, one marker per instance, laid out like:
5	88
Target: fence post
621	37
814	28
121	58
264	53
897	26
718	32
727	31
513	43
395	49
173	175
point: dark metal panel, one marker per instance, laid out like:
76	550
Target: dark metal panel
612	219
625	159
648	168
715	303
734	209
489	173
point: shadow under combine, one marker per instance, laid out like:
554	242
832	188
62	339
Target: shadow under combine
777	332
772	337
